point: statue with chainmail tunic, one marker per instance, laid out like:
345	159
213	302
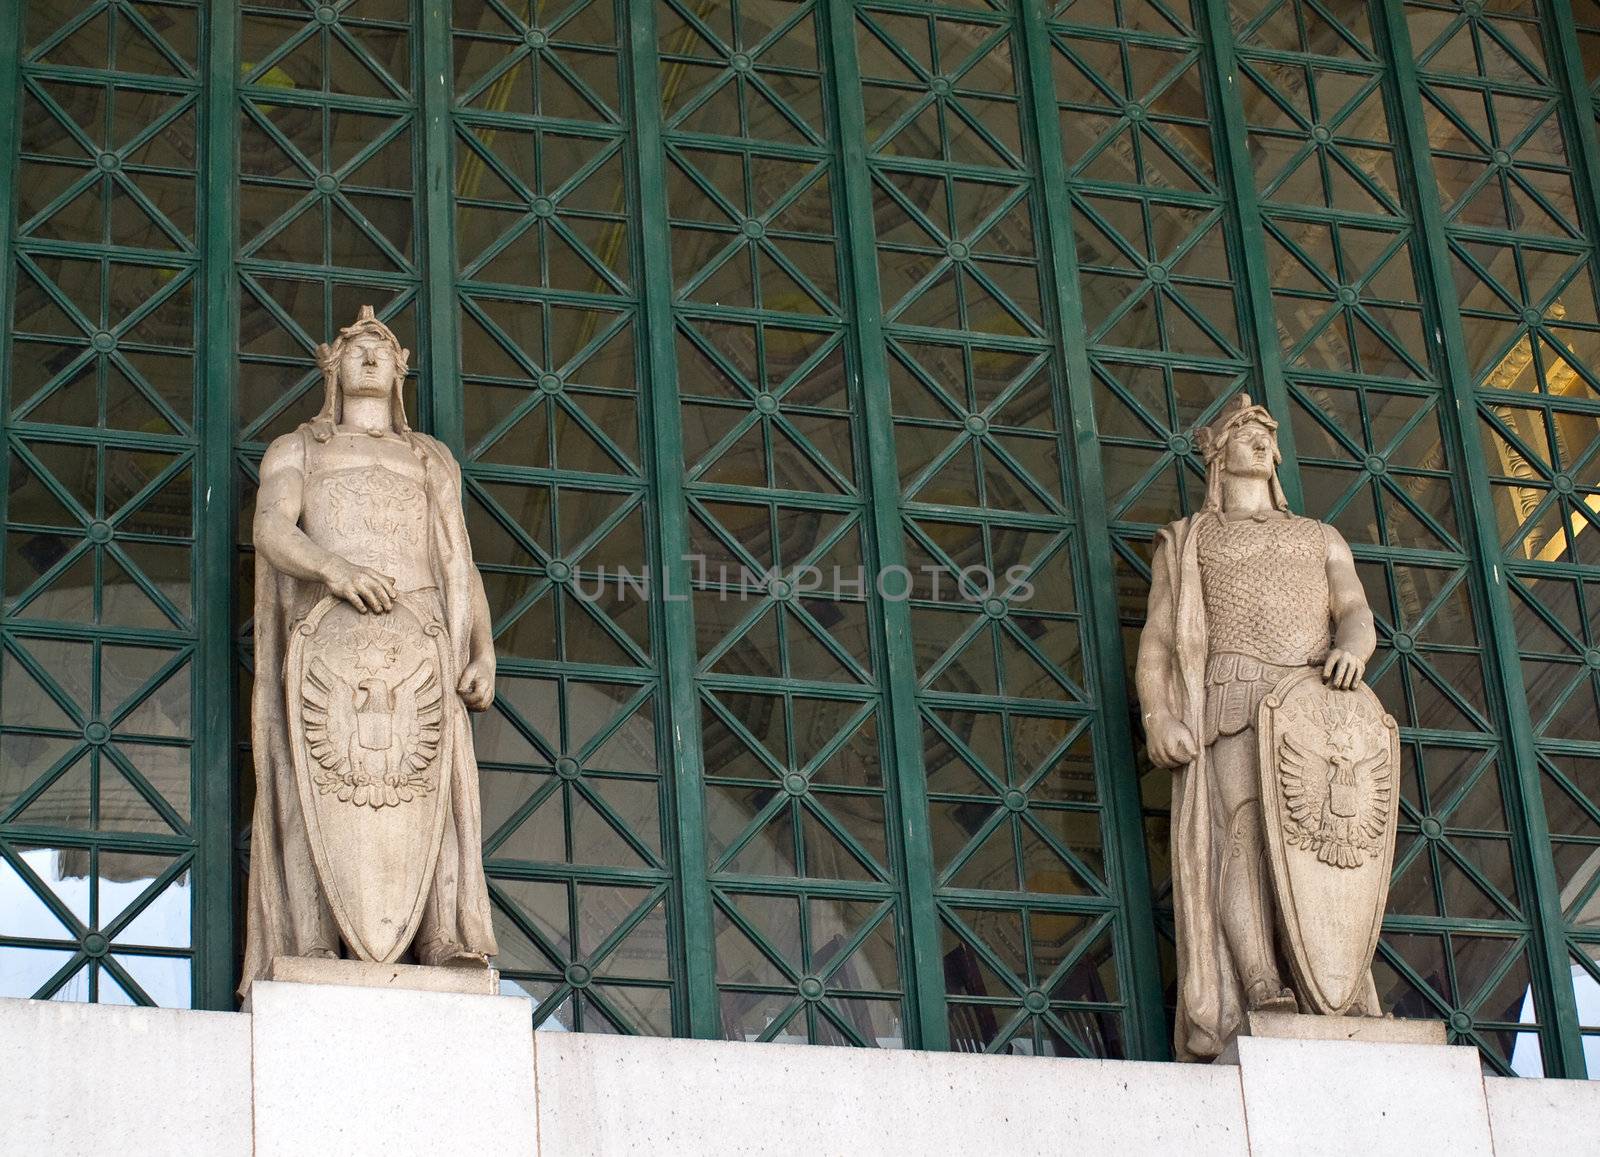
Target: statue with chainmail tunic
1249	677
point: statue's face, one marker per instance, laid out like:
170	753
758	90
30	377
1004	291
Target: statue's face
367	367
1250	452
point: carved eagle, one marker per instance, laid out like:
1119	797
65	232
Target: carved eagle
1338	806
373	744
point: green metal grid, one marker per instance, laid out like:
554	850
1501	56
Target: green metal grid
868	284
1504	183
809	926
557	456
1572	812
105	798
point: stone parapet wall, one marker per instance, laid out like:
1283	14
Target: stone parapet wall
327	1070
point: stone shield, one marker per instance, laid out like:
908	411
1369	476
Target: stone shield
366	704
1330	794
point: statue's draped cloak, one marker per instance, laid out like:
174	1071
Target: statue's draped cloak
1210	1007
274	897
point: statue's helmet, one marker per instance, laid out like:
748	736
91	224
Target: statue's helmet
328	355
1212	442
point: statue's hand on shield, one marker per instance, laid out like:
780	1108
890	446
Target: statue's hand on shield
1343	670
361	586
1170	742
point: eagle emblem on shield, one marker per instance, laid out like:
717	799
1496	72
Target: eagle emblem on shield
1330	765
366	709
1335	793
375	743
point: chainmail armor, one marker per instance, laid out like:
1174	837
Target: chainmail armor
1265	587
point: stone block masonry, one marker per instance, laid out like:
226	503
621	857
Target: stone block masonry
353	1071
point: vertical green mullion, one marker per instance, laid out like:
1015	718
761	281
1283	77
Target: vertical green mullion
1551	974
11	31
214	683
1561	39
1561	34
1236	176
440	390
10	100
899	666
672	523
1125	828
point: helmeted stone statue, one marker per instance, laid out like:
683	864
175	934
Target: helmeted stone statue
372	641
1285	788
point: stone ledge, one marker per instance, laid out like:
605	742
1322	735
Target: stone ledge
1542	1118
98	1078
367	974
351	1069
619	1095
1370	1029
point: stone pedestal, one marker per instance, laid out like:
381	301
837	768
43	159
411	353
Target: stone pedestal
1372	1029
1341	1085
353	1070
366	974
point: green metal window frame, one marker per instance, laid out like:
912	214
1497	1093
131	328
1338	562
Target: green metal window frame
1216	47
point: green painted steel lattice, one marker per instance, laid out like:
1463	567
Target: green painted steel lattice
101	792
807	918
755	298
1517	205
1016	768
556	460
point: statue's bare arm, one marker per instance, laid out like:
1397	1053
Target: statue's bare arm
278	536
1353	634
1168	739
476	685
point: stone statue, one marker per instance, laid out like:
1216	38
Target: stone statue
372	642
1285	789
